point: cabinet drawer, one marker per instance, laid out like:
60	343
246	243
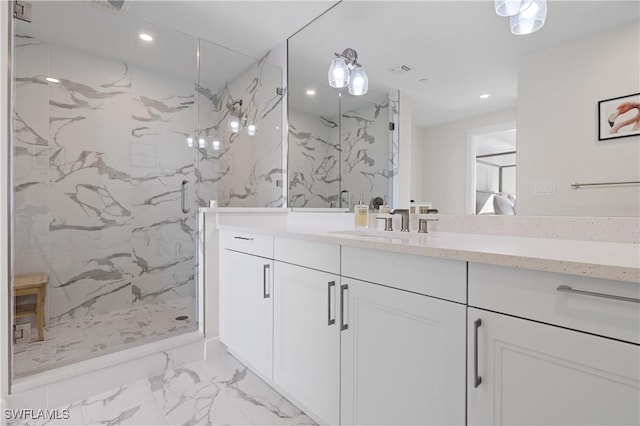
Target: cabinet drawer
256	244
443	278
535	295
324	257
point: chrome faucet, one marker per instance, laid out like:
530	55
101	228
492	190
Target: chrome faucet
404	213
344	191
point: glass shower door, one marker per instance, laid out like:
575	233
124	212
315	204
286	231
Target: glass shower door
104	180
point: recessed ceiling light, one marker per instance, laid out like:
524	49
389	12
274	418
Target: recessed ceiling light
484	96
145	37
52	80
311	92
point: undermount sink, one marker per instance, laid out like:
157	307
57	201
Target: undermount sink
404	237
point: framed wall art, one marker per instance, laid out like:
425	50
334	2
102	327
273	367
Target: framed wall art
619	117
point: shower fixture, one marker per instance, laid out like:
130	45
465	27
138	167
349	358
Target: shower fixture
346	71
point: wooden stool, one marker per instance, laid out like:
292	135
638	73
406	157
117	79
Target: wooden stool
31	285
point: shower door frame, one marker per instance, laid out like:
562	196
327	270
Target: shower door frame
6	203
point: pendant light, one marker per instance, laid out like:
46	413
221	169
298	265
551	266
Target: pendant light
359	82
508	7
530	18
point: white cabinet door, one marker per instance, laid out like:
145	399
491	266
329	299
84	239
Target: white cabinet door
307	339
403	358
246	309
532	373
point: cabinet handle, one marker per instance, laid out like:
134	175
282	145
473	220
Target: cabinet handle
183	196
568	289
476	379
265	294
343	324
330	320
243	238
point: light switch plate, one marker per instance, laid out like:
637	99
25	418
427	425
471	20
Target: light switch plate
544	188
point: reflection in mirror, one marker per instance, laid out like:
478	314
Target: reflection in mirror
340	146
240	141
443	55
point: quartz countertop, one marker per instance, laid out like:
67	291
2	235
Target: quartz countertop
607	260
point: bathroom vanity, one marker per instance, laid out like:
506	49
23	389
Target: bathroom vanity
367	327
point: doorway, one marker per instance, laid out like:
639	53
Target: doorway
491	170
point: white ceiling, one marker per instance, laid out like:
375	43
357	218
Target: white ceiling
462	48
246	29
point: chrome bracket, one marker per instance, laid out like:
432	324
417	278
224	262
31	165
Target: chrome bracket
22	10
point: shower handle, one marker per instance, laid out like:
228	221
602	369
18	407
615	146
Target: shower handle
183	196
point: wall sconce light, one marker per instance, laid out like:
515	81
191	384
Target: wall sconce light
235	116
346	71
525	16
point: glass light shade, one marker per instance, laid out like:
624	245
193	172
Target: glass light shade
215	145
202	143
190	142
359	83
338	73
508	7
252	129
530	18
234	122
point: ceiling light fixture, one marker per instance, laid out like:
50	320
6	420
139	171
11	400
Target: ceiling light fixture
252	129
507	7
525	16
52	80
311	92
202	143
215	145
485	96
190	142
145	37
346	71
531	17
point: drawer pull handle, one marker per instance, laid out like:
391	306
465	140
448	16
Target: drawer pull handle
265	271
568	289
243	238
330	320
343	323
476	379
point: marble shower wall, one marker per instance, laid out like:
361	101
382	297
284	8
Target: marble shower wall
313	160
367	164
98	163
246	171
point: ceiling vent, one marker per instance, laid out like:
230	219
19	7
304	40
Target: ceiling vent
402	69
113	6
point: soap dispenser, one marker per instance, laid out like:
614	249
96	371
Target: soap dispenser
361	214
385	209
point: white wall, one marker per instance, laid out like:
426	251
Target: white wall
558	94
444	157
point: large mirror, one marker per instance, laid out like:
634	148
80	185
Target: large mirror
490	122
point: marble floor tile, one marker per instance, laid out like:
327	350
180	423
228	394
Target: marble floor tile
85	337
219	391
